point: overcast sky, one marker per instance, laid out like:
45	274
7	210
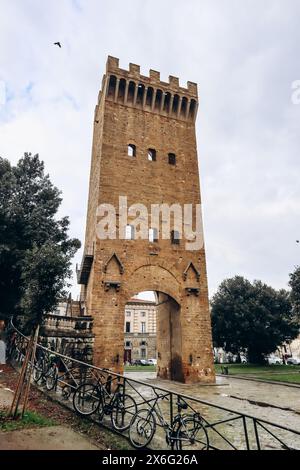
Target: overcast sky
244	55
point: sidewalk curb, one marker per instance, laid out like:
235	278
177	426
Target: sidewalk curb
241	377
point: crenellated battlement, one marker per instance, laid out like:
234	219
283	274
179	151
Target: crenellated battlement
130	88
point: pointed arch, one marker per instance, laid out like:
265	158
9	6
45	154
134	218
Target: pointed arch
191	266
117	259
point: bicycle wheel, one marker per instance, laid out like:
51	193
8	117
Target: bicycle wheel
142	428
38	371
51	378
124	408
86	399
191	435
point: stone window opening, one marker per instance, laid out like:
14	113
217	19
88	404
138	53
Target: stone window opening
131	150
128	344
151	155
140	94
175	104
129	232
172	158
158	99
167	102
175	237
127	328
121	91
153	235
149	97
184	104
143	327
192	109
143	353
131	91
112	86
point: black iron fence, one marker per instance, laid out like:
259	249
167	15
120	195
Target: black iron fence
147	414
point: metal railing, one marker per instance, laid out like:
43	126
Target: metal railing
226	429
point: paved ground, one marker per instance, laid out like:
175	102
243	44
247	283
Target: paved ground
277	403
271	402
52	438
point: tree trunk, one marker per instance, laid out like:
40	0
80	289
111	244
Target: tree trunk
256	357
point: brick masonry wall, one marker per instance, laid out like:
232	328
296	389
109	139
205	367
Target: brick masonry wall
159	266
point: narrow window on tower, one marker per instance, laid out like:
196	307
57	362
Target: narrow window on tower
131	150
175	237
129	232
153	235
151	155
172	158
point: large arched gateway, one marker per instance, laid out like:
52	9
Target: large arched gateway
144	229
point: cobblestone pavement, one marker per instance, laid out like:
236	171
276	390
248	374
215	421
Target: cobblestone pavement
275	403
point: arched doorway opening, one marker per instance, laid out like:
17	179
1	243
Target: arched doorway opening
152	334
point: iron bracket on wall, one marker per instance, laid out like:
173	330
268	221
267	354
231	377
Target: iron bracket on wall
193	291
112	285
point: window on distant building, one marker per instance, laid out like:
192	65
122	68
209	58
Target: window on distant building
143	327
143	353
143	314
128	344
128	313
127	327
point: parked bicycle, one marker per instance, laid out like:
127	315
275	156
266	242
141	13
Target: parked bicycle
90	398
59	373
43	366
186	431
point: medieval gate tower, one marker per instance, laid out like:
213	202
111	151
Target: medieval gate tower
144	148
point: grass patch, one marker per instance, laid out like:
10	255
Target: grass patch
30	419
140	368
290	378
280	373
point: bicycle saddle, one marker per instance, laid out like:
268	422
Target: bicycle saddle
182	405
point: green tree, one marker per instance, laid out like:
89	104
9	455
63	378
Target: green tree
295	291
35	249
252	317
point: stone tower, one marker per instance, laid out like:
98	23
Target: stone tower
144	149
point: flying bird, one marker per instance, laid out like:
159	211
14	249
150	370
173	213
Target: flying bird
57	44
